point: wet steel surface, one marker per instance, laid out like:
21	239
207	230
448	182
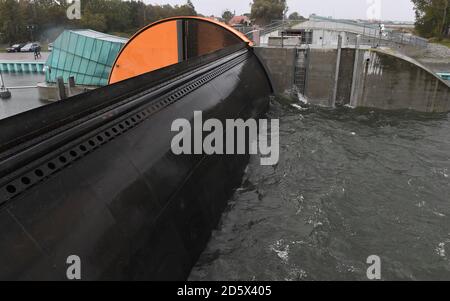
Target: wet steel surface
87	177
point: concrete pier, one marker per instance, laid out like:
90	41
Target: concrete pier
361	77
22	62
390	81
280	66
22	66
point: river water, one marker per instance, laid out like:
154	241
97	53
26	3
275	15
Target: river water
349	184
22	99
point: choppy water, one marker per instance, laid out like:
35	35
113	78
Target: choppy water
349	184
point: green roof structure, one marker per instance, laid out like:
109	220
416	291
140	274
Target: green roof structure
85	54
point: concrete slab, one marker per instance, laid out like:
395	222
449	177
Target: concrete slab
23	56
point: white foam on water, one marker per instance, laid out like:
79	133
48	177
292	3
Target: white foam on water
441	172
349	106
281	251
298	107
441	249
439	214
296	274
302	98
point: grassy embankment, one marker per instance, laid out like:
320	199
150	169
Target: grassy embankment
445	42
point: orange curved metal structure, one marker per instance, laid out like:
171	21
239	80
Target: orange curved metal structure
170	41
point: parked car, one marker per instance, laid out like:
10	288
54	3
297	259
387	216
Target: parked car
50	47
15	48
30	47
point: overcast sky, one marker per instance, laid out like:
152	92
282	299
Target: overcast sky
396	10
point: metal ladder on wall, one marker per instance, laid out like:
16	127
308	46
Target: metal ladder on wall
300	70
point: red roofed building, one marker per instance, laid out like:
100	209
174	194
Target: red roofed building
240	20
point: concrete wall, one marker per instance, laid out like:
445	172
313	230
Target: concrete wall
321	72
280	64
325	38
284	41
345	77
339	25
381	79
329	39
264	38
49	91
390	81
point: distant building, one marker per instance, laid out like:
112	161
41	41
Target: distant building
325	32
218	19
85	54
240	20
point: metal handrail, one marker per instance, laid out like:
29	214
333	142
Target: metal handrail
371	33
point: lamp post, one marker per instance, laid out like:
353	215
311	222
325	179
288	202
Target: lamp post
4	93
31	29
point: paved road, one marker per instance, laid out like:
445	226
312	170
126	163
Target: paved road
22	56
23	99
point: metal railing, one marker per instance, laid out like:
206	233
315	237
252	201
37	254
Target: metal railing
278	25
371	34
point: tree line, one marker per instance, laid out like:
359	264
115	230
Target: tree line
44	20
432	18
263	12
26	20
